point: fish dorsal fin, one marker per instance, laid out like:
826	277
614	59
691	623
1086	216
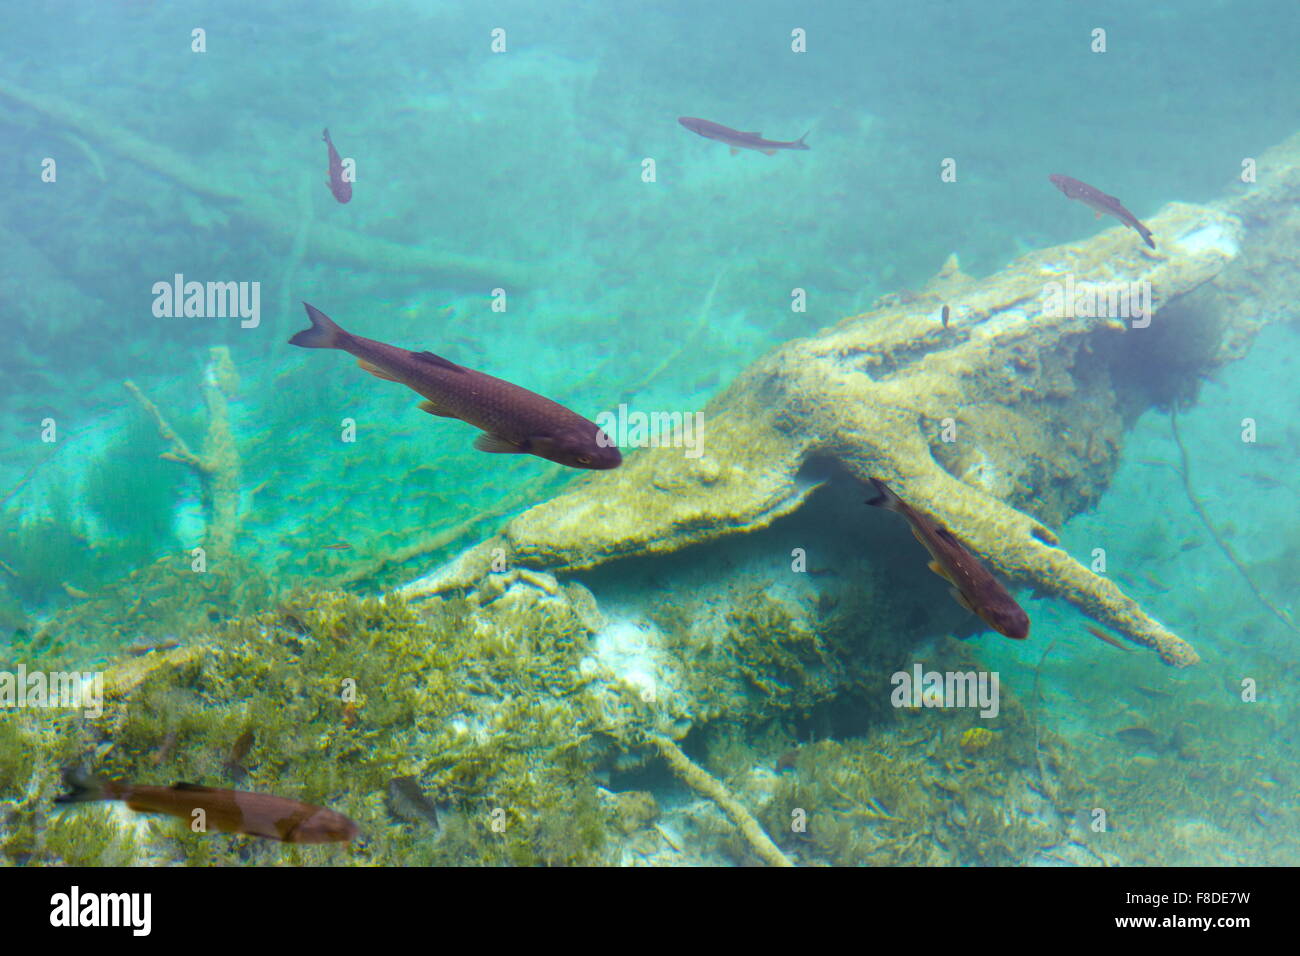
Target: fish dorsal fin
433	409
437	360
947	535
191	787
375	370
496	445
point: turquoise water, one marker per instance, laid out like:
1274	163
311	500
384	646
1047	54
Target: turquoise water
524	170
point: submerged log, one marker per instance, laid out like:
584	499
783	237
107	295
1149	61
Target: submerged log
217	466
281	219
1002	424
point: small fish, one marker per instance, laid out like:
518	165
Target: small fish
944	315
351	715
230	811
338	546
1140	737
142	648
788	761
1103	636
234	763
406	801
1102	203
77	593
165	748
736	139
973	586
1264	479
514	420
1154	581
340	187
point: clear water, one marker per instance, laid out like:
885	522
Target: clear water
524	170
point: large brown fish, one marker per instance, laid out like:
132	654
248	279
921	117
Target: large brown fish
736	139
514	420
230	811
340	187
1097	200
973	586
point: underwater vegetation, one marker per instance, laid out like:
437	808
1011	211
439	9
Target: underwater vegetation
342	695
132	492
496	710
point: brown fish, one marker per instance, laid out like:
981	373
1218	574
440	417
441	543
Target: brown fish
1101	635
234	763
1101	203
973	586
338	546
230	811
340	187
514	420
407	801
1139	736
736	139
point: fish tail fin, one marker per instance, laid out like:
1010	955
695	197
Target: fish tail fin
325	134
885	498
85	788
323	334
1146	237
800	144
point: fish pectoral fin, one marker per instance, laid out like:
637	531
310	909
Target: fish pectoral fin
432	409
734	151
768	152
938	569
1096	215
375	370
961	599
496	445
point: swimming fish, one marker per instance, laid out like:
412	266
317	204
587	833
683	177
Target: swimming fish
973	586
514	420
340	187
234	763
406	800
1142	738
338	546
1101	203
736	139
230	811
1101	635
944	314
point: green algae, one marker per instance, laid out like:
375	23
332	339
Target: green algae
132	492
486	709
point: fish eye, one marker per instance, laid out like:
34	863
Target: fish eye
584	459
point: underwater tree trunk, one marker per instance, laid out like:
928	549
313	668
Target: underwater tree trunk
217	468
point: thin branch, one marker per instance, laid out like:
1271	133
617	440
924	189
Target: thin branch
1228	553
